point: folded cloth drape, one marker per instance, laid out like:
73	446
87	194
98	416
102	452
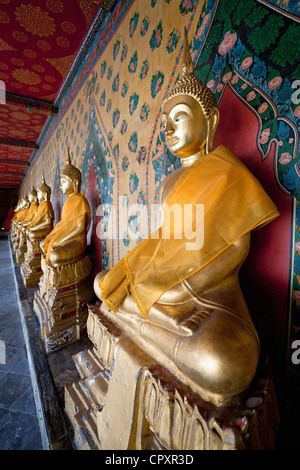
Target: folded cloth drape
30	214
20	215
42	210
74	210
234	203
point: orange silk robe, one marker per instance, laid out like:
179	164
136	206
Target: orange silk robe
234	203
74	210
30	214
43	208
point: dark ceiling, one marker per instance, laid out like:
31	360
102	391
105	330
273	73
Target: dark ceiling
41	47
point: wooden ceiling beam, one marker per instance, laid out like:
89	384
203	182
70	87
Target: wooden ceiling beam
19	143
14	162
8	173
31	104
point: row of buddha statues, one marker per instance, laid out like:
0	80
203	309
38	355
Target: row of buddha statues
174	352
54	258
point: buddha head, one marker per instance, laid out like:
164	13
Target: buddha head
25	202
189	112
70	178
44	191
32	196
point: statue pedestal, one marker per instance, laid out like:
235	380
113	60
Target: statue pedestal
21	248
61	302
125	399
31	268
15	234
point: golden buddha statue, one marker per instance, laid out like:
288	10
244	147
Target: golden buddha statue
187	303
66	243
36	231
64	288
174	348
23	224
42	223
17	222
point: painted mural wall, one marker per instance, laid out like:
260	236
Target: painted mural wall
247	53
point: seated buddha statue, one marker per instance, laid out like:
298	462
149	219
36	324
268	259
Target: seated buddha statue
42	223
66	243
65	285
32	209
183	297
23	224
36	231
17	209
18	219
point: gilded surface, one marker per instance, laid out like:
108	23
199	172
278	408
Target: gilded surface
173	366
187	303
65	285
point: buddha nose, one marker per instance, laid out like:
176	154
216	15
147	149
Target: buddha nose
169	130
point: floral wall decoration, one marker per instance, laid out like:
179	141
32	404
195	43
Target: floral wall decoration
110	118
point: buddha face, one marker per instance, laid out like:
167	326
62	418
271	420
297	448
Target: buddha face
185	126
32	198
66	185
41	196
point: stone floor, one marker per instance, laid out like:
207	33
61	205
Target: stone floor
31	382
19	418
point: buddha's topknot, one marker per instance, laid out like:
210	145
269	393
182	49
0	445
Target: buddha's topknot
70	171
189	84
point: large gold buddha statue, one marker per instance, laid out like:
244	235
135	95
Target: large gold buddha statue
64	288
184	299
36	231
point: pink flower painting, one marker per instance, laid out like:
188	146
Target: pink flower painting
274	83
227	43
234	79
264	137
251	95
263	108
246	63
285	158
297	111
227	77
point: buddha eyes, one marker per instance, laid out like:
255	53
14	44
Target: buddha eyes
180	117
177	119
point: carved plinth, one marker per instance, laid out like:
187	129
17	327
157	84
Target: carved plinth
20	246
15	238
61	302
31	268
125	399
21	250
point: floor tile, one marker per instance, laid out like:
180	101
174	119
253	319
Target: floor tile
19	431
19	425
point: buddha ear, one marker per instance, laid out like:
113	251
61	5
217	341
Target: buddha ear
212	124
76	185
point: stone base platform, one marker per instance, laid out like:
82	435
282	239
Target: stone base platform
31	269
21	253
125	399
62	309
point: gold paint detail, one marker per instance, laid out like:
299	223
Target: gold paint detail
4	18
35	20
55	6
26	76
